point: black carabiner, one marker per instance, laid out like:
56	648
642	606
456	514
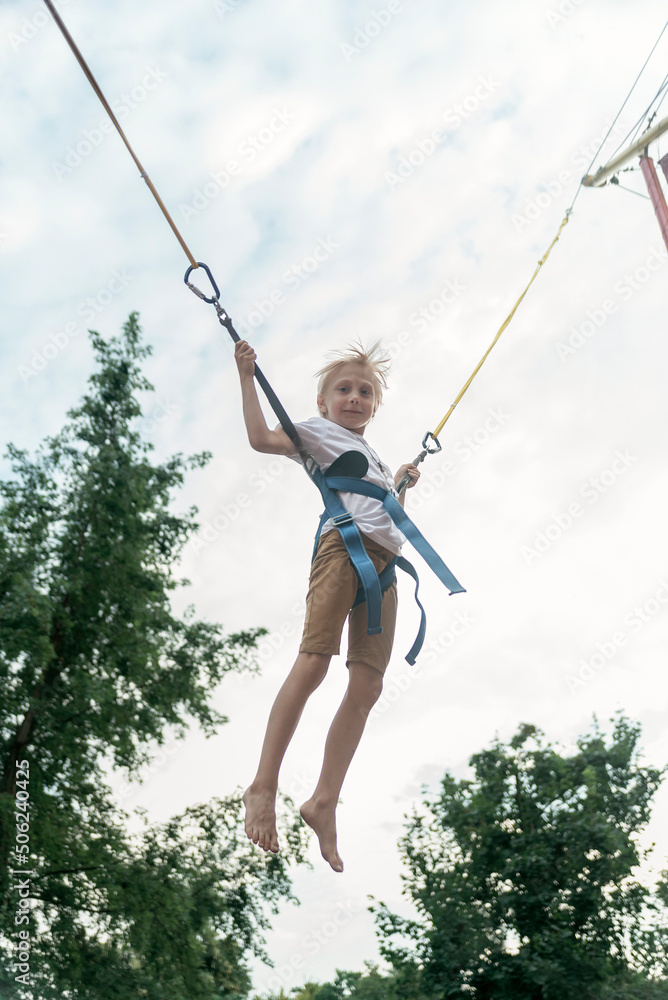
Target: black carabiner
431	451
212	299
426	450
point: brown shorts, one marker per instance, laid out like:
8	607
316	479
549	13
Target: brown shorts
331	593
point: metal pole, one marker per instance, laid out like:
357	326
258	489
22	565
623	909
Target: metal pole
656	194
638	147
663	163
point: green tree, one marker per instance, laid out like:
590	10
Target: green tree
96	672
525	878
368	985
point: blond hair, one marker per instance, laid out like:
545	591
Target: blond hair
373	358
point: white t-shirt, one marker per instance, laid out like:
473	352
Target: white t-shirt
326	440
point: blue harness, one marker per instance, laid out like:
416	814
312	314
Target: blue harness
373	585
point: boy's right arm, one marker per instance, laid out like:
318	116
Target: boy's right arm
261	438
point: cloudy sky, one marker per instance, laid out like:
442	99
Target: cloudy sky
394	171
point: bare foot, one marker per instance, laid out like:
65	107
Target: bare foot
261	819
322	820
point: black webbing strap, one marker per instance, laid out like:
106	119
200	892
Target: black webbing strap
226	321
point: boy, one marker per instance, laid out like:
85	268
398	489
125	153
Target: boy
349	393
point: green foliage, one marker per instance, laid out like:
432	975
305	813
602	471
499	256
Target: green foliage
170	913
523	877
525	882
367	985
634	986
95	671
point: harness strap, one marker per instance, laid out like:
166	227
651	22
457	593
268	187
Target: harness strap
373	585
387	578
365	569
404	523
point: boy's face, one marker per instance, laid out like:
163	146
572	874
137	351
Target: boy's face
349	398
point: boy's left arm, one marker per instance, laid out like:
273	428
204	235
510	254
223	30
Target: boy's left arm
414	474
